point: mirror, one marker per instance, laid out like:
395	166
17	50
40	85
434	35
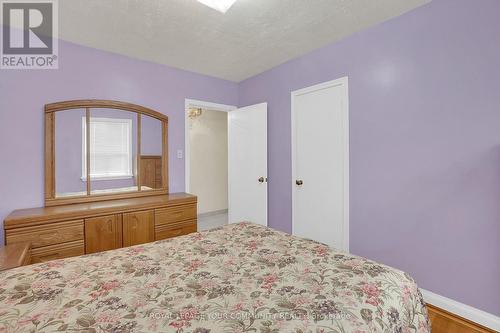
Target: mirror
68	160
150	163
99	150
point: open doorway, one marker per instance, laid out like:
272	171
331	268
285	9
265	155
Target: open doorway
226	162
207	160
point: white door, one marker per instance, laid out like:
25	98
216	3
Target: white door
247	155
320	157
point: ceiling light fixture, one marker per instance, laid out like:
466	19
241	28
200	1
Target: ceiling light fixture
219	5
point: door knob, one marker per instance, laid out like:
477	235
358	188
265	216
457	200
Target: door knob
299	182
261	179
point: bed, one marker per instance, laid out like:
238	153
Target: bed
237	278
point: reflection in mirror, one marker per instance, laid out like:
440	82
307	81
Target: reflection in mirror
113	151
68	157
151	153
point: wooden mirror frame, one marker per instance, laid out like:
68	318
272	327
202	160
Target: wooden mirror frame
88	104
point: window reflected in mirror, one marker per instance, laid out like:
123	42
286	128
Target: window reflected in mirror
113	151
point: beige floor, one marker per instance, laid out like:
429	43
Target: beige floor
208	221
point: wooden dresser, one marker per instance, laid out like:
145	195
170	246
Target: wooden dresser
14	255
71	230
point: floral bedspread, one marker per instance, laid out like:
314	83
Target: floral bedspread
238	278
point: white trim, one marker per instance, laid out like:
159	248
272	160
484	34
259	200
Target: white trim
468	312
208	105
344	81
187	162
108	177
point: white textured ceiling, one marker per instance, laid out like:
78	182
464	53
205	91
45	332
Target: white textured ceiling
253	36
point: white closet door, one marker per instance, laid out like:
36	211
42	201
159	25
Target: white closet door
320	163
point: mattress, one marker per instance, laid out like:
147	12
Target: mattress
237	278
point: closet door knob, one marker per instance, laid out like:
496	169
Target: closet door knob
299	182
261	179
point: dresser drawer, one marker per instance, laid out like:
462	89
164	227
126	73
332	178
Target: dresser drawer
174	230
58	251
49	234
175	214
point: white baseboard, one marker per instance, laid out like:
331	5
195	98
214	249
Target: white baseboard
468	312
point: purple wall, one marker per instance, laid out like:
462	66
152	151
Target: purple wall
425	135
88	73
68	145
424	142
151	136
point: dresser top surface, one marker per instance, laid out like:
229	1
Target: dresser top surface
23	216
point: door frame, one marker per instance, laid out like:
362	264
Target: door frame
187	160
344	81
